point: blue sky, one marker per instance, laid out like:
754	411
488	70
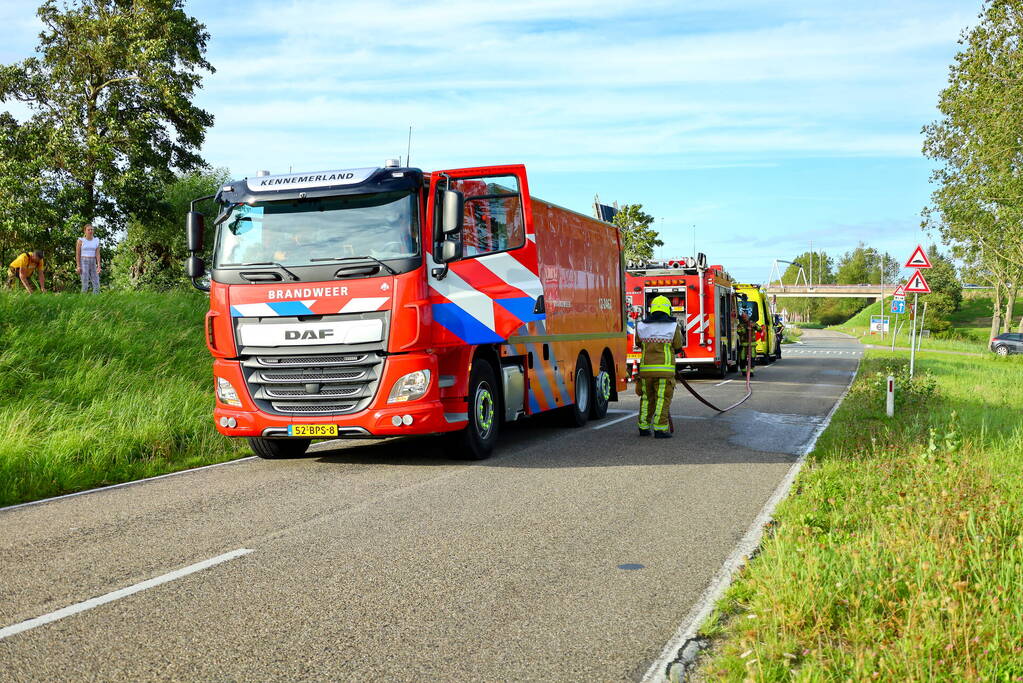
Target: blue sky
764	124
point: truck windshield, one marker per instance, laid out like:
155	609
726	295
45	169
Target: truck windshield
295	232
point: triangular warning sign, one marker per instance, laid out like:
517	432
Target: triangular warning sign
899	291
918	284
918	259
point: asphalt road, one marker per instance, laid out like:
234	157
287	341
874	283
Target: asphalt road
388	561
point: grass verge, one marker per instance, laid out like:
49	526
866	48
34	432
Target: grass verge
790	335
898	555
98	390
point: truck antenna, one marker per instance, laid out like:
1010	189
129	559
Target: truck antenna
408	152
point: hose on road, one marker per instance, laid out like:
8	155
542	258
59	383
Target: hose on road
749	389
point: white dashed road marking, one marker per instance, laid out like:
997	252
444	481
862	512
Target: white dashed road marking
122	593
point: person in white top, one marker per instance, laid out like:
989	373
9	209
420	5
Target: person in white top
88	259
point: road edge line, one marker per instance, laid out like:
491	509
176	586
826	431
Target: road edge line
632	413
91	603
123	484
675	649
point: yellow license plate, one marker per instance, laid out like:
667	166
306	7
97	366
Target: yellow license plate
312	431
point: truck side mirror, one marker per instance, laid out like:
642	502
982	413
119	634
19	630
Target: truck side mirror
195	267
452	216
450	250
195	225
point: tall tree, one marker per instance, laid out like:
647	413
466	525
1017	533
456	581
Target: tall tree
977	205
865	265
151	255
111	98
28	214
946	290
638	237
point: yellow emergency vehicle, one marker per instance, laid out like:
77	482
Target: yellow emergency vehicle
761	311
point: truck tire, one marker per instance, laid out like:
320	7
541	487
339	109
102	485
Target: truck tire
275	449
476	441
578	413
602	384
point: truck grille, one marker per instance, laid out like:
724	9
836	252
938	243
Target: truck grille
332	384
303	375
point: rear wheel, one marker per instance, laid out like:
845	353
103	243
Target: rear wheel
578	413
275	449
476	441
602	385
1002	350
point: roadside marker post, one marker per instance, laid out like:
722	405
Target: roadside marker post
890	399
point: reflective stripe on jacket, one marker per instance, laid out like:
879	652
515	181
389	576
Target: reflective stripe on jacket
660	341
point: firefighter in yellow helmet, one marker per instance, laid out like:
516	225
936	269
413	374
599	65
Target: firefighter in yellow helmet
661	338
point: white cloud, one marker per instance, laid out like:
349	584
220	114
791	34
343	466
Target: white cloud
561	85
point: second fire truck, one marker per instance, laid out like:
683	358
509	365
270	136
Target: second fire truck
703	300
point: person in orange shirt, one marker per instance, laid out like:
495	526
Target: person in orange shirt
24	266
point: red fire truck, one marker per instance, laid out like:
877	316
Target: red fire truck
377	302
703	300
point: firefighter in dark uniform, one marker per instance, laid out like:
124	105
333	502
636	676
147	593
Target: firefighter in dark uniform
660	338
747	332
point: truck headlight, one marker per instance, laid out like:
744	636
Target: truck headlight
410	387
227	394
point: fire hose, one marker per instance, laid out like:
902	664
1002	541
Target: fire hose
749	371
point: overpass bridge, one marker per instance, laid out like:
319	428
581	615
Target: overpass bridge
874	292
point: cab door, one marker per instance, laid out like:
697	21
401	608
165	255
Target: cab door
492	289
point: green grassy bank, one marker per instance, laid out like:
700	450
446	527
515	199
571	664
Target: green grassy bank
899	554
98	390
971	325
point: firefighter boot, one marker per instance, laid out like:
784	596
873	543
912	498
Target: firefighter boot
662	435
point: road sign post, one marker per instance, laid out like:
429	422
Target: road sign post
912	339
918	285
918	259
923	319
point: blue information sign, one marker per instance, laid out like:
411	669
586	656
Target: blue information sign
898	305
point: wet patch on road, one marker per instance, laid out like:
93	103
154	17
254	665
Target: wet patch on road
772	432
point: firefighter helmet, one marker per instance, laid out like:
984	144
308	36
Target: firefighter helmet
660	304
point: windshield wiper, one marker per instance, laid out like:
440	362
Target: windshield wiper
294	277
390	270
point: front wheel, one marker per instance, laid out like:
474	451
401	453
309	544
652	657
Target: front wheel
476	441
275	449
